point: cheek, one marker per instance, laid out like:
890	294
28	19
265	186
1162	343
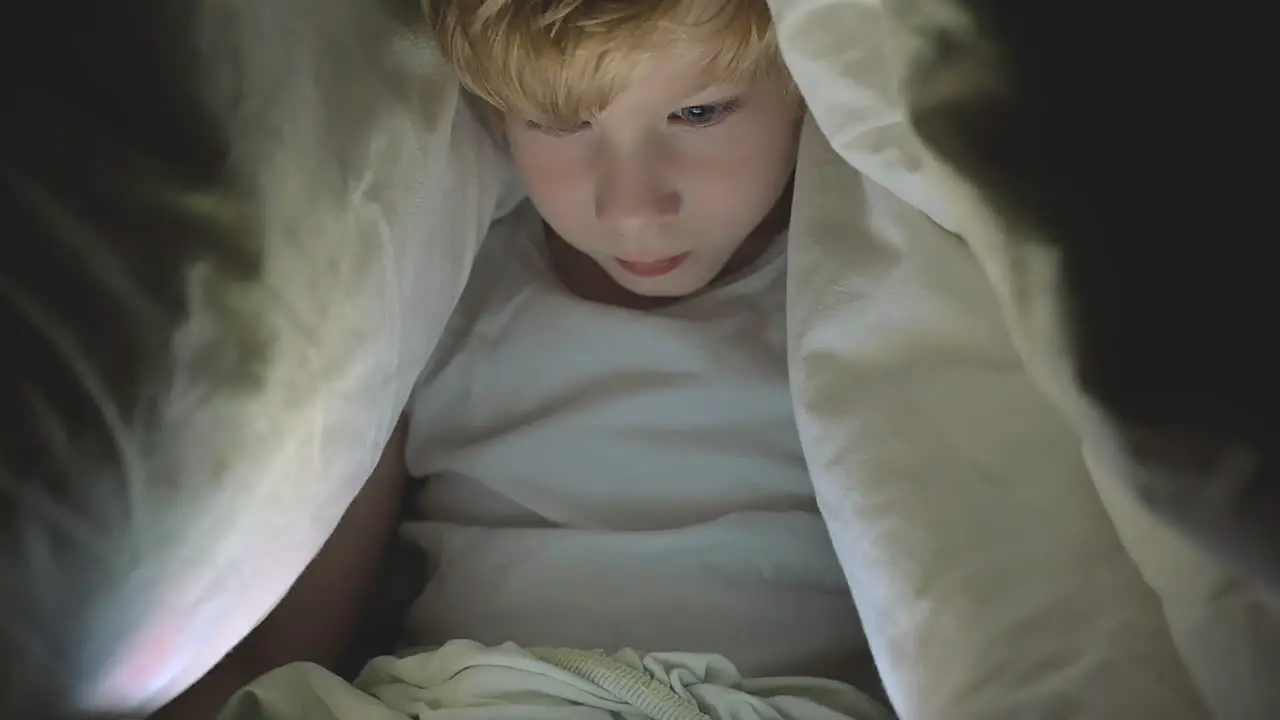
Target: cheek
736	188
557	178
776	143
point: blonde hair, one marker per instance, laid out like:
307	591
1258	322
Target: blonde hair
565	60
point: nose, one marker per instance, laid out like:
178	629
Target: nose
633	193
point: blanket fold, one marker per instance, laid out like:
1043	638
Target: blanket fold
464	680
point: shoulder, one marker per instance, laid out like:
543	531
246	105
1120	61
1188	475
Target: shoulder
500	279
502	272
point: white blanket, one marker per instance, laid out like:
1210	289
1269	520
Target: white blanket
988	574
467	681
999	560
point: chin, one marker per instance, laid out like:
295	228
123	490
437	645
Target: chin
670	287
656	290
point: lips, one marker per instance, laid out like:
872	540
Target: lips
654	268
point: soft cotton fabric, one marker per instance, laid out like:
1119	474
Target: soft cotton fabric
467	681
1209	642
988	573
368	186
600	477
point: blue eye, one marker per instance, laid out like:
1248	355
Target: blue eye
705	115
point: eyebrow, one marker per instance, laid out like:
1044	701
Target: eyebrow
722	94
709	79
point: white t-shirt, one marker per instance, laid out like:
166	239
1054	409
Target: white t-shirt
602	478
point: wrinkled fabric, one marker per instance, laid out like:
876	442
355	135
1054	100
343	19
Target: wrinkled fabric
369	209
989	576
1050	464
464	680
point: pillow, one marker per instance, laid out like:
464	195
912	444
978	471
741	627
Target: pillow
292	195
973	75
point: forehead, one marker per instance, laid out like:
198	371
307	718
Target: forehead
665	66
671	73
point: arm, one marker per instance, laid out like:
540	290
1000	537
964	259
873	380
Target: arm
315	620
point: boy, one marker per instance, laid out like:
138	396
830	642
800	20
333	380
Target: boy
606	428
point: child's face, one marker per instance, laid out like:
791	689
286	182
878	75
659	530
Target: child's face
663	186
